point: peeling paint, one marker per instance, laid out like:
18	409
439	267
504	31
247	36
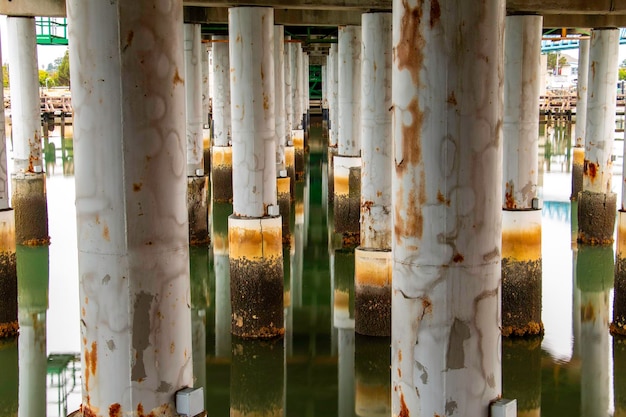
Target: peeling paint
451	407
455	356
141	332
424	376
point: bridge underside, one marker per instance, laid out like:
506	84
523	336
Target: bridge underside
557	13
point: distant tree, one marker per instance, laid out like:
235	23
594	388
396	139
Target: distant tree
62	76
43	76
622	74
5	75
552	61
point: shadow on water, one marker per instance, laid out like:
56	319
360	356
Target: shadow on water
320	368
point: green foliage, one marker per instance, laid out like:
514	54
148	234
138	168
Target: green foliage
43	76
552	59
5	75
62	76
622	74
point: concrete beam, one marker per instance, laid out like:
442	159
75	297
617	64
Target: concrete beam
287	17
51	8
298	4
566	6
584	21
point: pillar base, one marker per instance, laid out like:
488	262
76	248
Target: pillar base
198	210
298	144
521	273
222	174
347	198
332	152
283	186
372	292
577	171
8	276
31	209
256	277
596	217
290	166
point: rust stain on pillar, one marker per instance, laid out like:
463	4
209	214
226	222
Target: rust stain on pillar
176	78
509	194
115	410
590	169
404	411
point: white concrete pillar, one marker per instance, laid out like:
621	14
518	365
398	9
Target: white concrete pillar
290	162
597	204
298	116
221	159
333	96
446	191
347	162
197	182
279	95
28	179
129	141
206	106
581	117
521	224
373	258
300	85
255	227
8	277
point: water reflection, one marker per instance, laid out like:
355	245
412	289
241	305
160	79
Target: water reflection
321	368
9	379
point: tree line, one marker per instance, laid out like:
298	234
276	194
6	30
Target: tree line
56	75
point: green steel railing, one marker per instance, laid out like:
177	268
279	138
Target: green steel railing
51	31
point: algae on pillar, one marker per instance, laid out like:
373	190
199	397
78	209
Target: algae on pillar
446	191
197	182
255	227
521	216
581	118
131	187
373	257
28	179
221	152
597	203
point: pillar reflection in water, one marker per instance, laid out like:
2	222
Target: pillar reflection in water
200	302
619	373
33	273
9	380
345	365
373	381
221	268
257	382
594	274
521	374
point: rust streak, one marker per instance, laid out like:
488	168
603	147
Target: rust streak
590	169
404	411
435	13
176	78
508	195
105	233
129	40
458	258
115	410
452	99
137	186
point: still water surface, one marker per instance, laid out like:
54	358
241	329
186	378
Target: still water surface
320	370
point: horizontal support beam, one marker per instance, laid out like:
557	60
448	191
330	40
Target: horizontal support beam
566	6
31	8
287	17
584	21
363	5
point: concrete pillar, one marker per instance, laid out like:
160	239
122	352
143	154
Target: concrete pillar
33	272
597	204
333	119
290	161
373	258
28	179
446	190
347	163
372	377
221	160
521	216
299	110
581	117
325	91
257	378
197	182
306	101
618	326
206	107
594	272
131	186
283	182
8	276
255	227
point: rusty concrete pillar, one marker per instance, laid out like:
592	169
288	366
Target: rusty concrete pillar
221	151
131	186
372	310
28	179
446	188
290	152
206	107
283	182
581	118
333	136
298	116
521	216
347	162
597	203
255	227
197	181
8	275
